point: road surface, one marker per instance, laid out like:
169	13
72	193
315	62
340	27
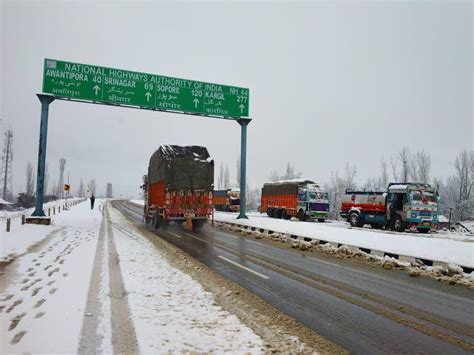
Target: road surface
361	308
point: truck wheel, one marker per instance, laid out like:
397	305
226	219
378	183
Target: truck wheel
284	215
277	213
423	230
301	215
321	220
397	224
156	220
354	220
270	212
197	224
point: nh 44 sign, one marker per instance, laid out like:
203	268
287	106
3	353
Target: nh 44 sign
129	88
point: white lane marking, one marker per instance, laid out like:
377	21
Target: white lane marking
174	234
243	267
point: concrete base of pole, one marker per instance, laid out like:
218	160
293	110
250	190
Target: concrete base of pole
38	220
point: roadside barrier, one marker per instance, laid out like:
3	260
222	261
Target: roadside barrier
379	253
65	206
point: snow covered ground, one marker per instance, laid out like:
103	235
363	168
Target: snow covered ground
439	247
20	237
28	211
171	311
45	292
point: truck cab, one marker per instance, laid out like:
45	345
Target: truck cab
313	202
411	206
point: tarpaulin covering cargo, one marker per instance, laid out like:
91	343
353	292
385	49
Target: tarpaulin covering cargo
182	168
286	187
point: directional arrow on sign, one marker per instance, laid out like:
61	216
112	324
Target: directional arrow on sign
195	101
241	108
148	95
96	89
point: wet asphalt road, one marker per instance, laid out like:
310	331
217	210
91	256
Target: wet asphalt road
363	309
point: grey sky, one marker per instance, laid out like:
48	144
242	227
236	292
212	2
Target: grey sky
330	83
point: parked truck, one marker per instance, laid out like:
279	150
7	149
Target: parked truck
304	199
179	186
227	200
402	206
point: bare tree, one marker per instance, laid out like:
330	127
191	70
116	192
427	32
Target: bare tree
290	173
394	167
80	191
226	178
220	178
350	173
423	163
404	157
237	166
273	176
336	190
384	175
465	183
30	183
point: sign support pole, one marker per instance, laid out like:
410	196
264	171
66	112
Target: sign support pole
243	166
45	101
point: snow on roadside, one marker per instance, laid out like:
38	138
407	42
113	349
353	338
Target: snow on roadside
43	294
16	214
444	250
21	237
171	311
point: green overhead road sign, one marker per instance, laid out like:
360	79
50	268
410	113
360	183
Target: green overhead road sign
129	88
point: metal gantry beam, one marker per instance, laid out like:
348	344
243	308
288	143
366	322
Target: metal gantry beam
243	166
45	101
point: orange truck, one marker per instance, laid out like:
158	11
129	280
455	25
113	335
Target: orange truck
300	198
227	200
179	185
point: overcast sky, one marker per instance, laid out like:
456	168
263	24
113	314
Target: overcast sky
330	83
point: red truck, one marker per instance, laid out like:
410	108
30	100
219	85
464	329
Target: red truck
179	186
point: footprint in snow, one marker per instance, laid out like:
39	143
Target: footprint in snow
31	274
14	304
24	281
53	271
14	322
37	264
65	274
29	269
35	291
51	282
53	291
47	267
39	303
18	336
7	297
39	314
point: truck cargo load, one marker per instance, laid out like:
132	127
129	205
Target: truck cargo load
301	198
179	185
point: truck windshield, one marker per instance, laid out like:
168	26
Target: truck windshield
235	201
423	198
318	195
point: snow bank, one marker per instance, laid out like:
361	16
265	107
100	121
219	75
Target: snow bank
422	247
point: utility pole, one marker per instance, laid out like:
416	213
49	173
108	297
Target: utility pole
7	159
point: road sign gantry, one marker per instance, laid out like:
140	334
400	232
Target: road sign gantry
100	85
143	90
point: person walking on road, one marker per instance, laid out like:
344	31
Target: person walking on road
92	201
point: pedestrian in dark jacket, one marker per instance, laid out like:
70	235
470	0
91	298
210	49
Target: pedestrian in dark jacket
92	201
